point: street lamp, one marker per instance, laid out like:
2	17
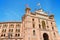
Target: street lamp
8	35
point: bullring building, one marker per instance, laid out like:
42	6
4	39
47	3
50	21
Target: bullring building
34	26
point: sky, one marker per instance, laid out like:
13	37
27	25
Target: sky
13	10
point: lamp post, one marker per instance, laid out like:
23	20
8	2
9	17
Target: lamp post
9	36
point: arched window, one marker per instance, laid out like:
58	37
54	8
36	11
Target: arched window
11	35
18	30
33	32
3	30
47	26
18	25
11	26
52	28
10	30
33	25
39	26
54	34
5	25
3	35
43	24
17	35
32	19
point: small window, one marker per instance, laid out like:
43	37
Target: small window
3	30
52	28
32	19
18	25
33	25
5	26
11	26
15	39
10	30
39	26
11	35
3	35
17	30
47	26
17	35
54	35
33	32
51	22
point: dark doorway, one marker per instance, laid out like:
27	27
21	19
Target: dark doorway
45	36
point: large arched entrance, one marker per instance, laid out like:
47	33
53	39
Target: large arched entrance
45	36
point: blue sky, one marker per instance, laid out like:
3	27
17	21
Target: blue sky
13	10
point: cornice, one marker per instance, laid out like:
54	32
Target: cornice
9	22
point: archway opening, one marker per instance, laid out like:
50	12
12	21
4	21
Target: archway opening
45	36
